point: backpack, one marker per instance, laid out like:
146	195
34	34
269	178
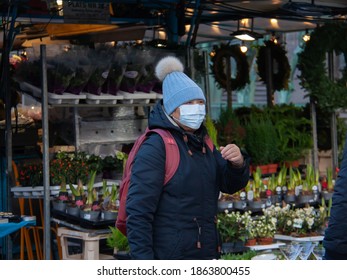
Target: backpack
171	165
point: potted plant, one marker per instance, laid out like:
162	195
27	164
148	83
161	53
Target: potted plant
293	181
69	166
230	129
255	202
91	209
225	201
309	193
265	229
261	142
328	184
232	231
110	203
77	199
112	165
119	243
60	202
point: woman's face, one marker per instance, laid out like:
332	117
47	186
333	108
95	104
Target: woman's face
176	114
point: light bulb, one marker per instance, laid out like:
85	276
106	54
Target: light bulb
306	37
243	48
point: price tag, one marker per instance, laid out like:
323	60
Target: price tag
250	195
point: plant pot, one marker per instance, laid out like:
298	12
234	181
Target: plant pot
327	195
233	247
272	167
109	215
264	240
251	242
90	215
225	205
240	205
256	205
122	255
289	198
304	199
59	205
73	210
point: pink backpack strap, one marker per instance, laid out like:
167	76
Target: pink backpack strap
171	151
209	142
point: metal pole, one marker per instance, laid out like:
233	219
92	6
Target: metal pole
207	83
9	35
269	83
45	140
314	135
333	124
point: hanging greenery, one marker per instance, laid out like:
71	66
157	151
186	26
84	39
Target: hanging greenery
222	54
281	66
329	94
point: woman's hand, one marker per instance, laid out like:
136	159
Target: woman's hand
232	153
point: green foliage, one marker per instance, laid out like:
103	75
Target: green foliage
212	131
233	226
293	131
248	255
117	240
229	128
261	140
329	94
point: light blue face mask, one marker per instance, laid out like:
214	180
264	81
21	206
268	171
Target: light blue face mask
192	115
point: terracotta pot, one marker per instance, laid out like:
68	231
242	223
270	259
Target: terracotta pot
272	167
264	169
251	242
265	240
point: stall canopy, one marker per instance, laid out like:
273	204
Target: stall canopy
187	22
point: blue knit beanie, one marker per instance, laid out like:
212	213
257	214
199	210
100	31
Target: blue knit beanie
178	88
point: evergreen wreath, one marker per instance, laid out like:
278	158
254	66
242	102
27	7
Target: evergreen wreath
327	93
225	52
280	78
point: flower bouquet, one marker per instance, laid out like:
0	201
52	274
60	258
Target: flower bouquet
101	60
60	71
131	78
82	73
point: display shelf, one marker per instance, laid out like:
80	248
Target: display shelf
272	246
65	98
137	97
85	99
38	191
299	239
103	98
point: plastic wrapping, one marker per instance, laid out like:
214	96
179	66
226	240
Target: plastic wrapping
83	71
116	73
101	59
60	71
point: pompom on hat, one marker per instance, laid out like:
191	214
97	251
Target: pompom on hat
178	88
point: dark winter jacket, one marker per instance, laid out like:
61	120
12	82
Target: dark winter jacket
335	239
178	220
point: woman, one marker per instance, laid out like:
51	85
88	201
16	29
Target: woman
178	220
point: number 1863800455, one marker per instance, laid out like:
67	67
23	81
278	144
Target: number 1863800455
220	270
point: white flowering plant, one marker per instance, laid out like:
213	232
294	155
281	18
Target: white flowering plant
234	226
265	226
297	222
